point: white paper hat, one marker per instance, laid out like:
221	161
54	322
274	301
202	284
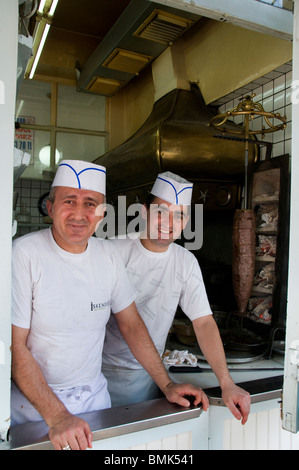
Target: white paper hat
172	188
81	175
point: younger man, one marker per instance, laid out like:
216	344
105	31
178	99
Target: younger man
165	275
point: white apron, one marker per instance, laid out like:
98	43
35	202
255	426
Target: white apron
77	400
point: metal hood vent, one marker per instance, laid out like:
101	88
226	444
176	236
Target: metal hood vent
104	86
163	27
127	61
176	137
139	36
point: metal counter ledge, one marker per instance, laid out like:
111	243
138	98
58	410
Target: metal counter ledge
262	378
116	421
122	420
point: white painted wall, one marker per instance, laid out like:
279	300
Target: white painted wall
263	430
8	68
291	377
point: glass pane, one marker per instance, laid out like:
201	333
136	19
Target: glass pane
40	139
80	147
33	103
80	110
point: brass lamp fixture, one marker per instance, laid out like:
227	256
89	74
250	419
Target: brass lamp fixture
243	261
248	109
44	17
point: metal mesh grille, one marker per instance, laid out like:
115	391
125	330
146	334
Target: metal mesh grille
103	86
162	27
126	61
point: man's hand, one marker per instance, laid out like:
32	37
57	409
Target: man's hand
237	400
175	393
69	430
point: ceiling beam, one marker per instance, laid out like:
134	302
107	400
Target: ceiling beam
250	14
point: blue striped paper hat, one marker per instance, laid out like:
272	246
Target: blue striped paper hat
172	188
81	175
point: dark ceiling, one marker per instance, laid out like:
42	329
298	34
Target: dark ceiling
78	27
100	45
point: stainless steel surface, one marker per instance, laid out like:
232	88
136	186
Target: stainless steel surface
238	357
255	372
108	423
197	369
260	390
262	385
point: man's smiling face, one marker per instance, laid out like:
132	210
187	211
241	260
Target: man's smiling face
75	216
164	224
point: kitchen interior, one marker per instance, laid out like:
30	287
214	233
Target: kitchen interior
143	87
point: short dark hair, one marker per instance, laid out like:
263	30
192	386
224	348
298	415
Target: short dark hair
149	200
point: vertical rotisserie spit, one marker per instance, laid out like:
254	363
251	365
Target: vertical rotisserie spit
243	262
243	256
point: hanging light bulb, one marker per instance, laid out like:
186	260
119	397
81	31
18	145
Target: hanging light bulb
44	155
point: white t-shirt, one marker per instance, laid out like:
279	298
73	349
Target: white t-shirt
162	281
65	300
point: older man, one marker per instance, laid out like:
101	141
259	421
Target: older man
65	283
165	275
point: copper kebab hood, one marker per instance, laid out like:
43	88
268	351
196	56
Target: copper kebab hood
176	137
